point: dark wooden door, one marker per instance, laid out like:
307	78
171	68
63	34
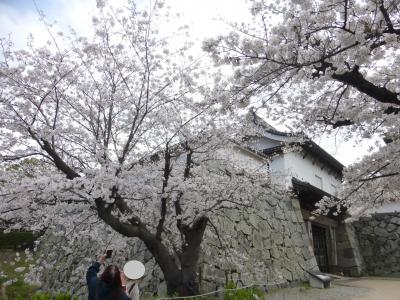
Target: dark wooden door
320	248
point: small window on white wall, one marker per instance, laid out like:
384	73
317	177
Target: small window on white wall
334	190
318	181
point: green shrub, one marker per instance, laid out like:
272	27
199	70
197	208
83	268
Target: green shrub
23	291
19	291
242	294
47	296
203	298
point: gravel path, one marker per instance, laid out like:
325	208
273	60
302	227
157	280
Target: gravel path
378	288
345	289
336	292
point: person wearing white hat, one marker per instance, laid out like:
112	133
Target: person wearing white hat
133	270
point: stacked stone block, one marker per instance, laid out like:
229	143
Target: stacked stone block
265	244
379	239
349	256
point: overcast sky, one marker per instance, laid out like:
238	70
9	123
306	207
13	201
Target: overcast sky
20	18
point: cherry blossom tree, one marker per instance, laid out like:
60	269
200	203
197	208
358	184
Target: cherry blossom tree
325	66
124	130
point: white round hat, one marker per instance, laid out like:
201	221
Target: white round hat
134	269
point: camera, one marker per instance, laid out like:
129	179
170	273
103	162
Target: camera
109	253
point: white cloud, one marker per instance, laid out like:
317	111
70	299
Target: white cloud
348	151
205	17
20	23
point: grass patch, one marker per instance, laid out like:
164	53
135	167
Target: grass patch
10	264
12	284
236	293
14	264
13	267
305	286
18	291
17	240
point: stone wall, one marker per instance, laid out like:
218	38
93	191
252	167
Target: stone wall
267	244
60	268
379	239
349	257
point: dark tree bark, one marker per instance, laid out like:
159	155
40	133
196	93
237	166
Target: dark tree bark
355	79
189	281
181	280
181	277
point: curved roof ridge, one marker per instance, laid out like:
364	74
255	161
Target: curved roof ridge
260	122
303	140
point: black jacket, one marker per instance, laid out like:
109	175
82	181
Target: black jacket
95	283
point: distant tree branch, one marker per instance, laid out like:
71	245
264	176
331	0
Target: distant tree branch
380	176
373	173
336	124
345	13
388	21
17	157
167	172
10	210
178	208
355	79
392	110
59	163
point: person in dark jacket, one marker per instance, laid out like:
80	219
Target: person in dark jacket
108	286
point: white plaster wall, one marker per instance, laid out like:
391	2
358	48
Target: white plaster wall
387	208
246	159
283	167
293	164
279	173
282	138
264	143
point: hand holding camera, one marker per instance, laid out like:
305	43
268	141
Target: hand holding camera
101	259
109	253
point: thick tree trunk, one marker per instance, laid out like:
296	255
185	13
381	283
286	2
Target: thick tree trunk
185	285
186	282
181	278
